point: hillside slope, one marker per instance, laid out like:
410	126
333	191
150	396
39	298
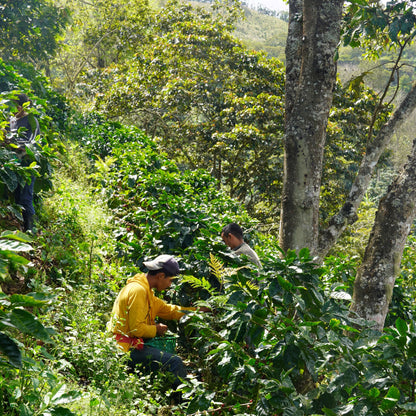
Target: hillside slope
263	32
258	31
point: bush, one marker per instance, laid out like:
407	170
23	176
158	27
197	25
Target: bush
285	343
157	208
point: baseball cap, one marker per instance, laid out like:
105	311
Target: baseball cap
164	262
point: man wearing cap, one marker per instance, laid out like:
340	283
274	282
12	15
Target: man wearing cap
134	313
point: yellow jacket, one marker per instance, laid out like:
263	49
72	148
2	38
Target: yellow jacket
136	308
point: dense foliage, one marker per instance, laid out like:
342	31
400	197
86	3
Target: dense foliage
214	104
290	346
156	206
98	34
280	341
29	30
353	110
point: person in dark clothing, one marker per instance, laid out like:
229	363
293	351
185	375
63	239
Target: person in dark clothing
23	130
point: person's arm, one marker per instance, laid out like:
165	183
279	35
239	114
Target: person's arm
169	311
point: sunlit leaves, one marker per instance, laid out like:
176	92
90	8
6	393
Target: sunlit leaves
377	27
215	104
350	116
156	206
29	29
12	243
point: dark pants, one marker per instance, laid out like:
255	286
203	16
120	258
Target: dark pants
152	359
23	196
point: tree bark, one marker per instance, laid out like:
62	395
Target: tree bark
313	36
375	279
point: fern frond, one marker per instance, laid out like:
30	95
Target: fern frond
217	269
221	300
198	283
104	165
251	285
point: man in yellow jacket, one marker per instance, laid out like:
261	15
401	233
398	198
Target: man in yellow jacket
134	313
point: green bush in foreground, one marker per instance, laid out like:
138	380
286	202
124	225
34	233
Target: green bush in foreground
280	345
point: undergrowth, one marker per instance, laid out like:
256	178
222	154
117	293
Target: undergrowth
278	342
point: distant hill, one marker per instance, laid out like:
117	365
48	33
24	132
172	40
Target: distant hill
261	31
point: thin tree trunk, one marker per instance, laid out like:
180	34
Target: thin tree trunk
313	36
375	279
348	213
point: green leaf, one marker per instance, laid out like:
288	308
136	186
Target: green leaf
304	254
3	268
373	393
61	411
16	235
407	370
9	177
344	410
28	324
24	410
408	406
394	30
285	284
411	352
10	349
25	300
60	396
334	323
329	412
401	326
236	297
198	403
391	398
11	257
8	245
340	295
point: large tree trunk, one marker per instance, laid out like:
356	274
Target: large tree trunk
381	264
314	30
313	35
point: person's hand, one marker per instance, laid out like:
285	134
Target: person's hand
161	329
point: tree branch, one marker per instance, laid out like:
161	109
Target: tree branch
381	264
348	213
